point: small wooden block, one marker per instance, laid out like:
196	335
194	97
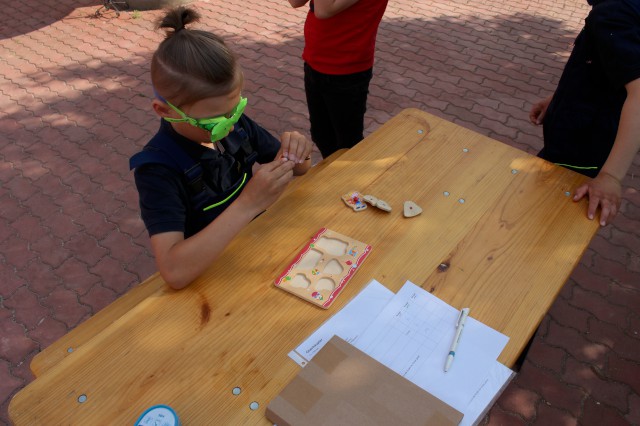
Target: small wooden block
383	205
411	209
370	199
353	199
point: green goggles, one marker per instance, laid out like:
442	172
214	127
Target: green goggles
218	126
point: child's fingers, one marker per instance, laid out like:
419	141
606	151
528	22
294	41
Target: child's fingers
290	142
295	146
276	163
594	202
540	118
281	174
285	141
607	212
304	148
580	192
307	146
285	178
281	167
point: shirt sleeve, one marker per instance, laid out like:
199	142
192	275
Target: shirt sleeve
162	199
615	28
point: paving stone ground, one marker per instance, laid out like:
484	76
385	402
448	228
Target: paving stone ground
74	105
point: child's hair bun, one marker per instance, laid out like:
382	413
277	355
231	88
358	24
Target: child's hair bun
177	18
191	64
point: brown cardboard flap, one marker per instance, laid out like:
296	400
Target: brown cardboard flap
344	386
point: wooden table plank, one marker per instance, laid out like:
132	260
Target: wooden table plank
510	246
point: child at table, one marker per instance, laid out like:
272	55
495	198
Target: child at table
197	178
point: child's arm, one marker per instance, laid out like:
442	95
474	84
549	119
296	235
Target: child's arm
605	190
181	261
324	9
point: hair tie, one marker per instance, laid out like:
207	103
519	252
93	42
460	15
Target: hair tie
179	29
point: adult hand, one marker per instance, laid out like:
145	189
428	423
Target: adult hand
539	110
604	191
267	184
295	147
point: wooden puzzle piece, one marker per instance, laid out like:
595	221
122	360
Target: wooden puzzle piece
376	202
411	209
383	205
354	200
323	267
370	199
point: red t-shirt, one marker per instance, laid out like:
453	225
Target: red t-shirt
344	43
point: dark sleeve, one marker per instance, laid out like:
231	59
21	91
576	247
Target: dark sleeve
615	28
265	144
162	199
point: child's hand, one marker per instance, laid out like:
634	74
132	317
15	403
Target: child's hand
295	147
604	191
268	183
539	110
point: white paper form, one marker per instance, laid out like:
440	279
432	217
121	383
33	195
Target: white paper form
349	323
495	382
412	336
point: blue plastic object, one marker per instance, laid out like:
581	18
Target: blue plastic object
158	415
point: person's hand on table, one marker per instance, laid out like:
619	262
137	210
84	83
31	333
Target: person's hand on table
604	191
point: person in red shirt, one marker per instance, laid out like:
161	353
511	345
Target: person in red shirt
340	39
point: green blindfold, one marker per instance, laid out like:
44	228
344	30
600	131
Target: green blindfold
219	127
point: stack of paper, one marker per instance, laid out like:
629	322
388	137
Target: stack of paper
411	333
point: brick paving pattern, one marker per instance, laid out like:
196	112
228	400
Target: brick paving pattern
74	105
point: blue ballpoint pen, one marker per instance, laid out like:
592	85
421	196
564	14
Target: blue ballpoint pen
464	313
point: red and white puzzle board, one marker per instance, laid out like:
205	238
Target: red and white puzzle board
323	267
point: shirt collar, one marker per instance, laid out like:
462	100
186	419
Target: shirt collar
193	149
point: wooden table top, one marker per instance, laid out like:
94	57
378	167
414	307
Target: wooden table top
498	234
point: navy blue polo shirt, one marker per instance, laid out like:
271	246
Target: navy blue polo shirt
581	122
165	199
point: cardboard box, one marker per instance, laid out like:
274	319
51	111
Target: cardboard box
344	386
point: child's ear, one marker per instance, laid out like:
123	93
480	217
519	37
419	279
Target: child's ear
161	108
